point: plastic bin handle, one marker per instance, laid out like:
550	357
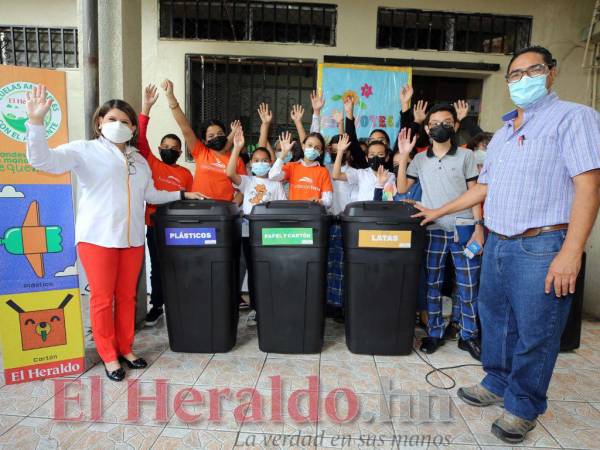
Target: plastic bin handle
188	220
292	221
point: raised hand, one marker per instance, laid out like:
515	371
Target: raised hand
383	175
406	94
420	111
297	113
235	126
338	116
286	144
238	139
343	143
349	107
37	105
462	109
317	101
405	143
265	114
167	86
150	97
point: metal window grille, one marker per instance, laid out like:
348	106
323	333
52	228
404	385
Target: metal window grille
262	21
38	47
230	87
413	29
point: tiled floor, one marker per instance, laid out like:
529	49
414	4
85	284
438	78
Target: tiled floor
226	400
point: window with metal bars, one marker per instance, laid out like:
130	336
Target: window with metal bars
38	47
413	29
230	87
263	21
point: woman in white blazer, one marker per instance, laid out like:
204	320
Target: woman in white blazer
113	183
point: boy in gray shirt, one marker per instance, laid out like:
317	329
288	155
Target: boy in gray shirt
445	172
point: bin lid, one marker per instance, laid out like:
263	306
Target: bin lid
198	208
378	210
286	208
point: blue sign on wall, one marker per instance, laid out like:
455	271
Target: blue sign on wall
374	90
196	237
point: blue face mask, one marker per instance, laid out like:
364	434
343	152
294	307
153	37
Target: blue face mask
527	91
327	159
311	154
261	168
287	159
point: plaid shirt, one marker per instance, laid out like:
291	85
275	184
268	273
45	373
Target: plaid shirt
529	171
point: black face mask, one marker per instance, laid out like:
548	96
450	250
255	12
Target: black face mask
375	162
217	143
169	155
441	133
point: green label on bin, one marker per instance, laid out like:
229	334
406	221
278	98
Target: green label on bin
287	236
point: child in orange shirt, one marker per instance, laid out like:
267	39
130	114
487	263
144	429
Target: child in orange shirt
307	179
168	176
211	152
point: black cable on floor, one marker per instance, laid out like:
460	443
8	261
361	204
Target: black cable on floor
441	370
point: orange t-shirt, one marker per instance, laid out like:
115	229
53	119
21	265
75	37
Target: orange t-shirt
210	178
167	178
307	183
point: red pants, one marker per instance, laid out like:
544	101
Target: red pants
112	274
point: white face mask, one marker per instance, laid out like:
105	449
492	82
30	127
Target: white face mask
116	132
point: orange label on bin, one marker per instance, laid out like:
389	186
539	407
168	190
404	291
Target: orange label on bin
384	239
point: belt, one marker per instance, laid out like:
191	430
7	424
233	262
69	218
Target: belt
532	232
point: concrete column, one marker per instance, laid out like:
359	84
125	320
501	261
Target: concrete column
120	52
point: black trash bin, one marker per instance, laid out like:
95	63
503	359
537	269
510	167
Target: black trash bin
199	247
571	336
383	247
288	252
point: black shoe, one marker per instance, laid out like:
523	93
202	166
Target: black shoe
473	346
153	316
115	375
451	331
431	344
139	363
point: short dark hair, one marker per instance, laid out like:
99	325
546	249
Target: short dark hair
441	107
387	136
374	143
262	149
548	58
335	139
171	136
479	138
210	122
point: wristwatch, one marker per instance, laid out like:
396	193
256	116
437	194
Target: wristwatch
479	222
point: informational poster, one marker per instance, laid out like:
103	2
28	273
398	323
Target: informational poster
374	90
41	330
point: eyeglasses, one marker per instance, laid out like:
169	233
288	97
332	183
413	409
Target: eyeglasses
130	163
537	70
445	123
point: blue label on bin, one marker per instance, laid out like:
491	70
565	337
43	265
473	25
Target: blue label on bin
191	236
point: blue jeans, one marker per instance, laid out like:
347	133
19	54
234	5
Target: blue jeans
521	325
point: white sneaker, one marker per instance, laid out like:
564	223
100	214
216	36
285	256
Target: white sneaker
251	319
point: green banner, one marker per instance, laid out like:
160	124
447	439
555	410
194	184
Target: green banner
287	236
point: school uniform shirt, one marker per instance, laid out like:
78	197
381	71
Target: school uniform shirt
365	181
166	177
111	186
443	180
257	190
210	179
308	181
342	192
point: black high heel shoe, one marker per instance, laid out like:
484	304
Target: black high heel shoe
115	375
139	363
